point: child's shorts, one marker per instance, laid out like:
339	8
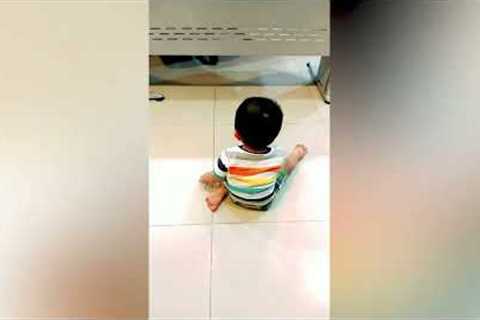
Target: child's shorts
281	178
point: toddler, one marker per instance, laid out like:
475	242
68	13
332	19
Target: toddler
252	172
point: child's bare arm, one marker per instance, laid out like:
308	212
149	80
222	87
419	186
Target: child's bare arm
297	154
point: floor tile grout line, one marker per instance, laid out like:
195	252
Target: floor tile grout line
210	302
273	222
212	224
239	223
180	225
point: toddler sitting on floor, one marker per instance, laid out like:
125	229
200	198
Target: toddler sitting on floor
253	172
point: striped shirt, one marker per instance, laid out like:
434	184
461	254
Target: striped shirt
250	177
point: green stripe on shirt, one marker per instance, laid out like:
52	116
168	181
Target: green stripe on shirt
249	190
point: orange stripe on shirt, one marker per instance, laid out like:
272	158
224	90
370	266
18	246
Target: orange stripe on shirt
244	171
251	181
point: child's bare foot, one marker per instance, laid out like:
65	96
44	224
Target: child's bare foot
215	198
209	180
297	154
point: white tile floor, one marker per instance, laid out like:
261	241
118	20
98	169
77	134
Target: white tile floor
236	264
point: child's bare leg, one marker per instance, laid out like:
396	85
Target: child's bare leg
297	154
216	197
210	180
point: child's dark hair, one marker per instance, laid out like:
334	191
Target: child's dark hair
258	121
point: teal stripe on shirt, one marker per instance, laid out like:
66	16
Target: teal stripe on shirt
249	190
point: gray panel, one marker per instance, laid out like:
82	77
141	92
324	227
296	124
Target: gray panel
242	27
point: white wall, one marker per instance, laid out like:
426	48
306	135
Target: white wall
73	159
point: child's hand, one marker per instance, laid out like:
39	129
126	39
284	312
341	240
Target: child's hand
300	151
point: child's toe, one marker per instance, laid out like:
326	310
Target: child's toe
212	207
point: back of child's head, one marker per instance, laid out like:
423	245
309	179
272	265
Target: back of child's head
258	121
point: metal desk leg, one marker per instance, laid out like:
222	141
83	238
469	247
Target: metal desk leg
322	78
